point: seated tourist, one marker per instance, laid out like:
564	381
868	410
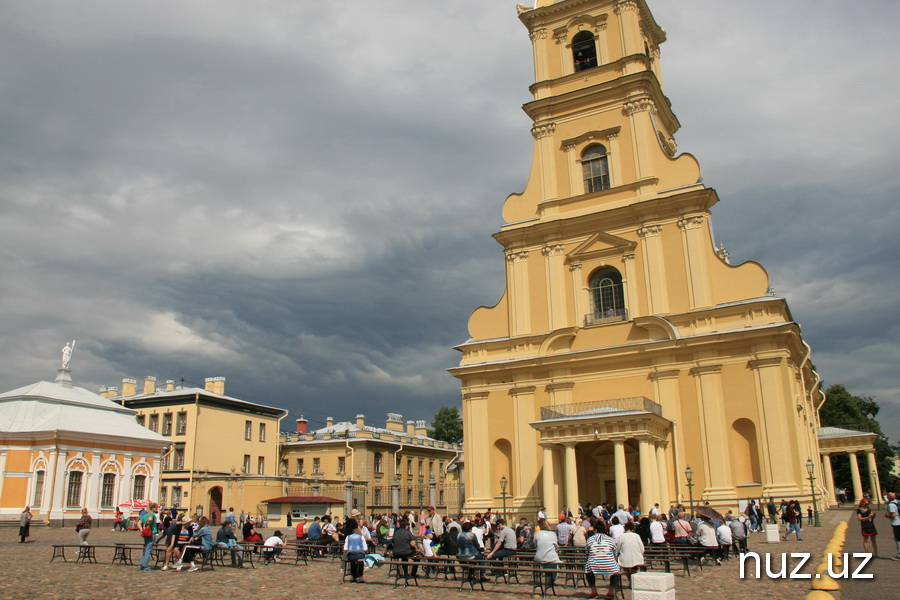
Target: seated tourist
225	538
273	546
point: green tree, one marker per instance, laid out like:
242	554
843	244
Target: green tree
843	409
447	425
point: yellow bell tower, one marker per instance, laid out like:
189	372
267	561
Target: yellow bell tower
626	347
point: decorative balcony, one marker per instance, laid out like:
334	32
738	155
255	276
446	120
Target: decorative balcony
601	408
609	315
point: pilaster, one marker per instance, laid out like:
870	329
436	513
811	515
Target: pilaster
517	284
654	268
714	433
696	259
554	258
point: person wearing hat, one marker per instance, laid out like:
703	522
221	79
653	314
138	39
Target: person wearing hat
352	523
435	522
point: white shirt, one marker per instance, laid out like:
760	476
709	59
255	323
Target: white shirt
657	533
723	534
542	515
479	535
274	541
616	531
654	511
624	516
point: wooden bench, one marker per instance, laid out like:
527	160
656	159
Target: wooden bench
677	554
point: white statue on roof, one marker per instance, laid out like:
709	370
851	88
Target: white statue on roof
67	354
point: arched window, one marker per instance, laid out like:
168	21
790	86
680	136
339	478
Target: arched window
595	169
584	51
607	297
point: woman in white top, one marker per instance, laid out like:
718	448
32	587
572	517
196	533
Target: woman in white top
631	548
657	531
546	544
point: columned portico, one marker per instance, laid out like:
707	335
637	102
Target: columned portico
601	443
843	440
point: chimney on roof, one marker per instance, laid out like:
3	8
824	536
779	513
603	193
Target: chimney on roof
129	387
329	422
109	391
360	421
149	385
410	428
216	385
170	385
394	422
301	425
421	428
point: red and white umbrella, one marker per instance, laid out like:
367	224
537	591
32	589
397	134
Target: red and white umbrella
135	504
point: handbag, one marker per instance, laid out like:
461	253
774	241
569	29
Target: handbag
146	530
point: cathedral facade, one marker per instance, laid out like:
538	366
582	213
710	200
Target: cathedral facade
627	355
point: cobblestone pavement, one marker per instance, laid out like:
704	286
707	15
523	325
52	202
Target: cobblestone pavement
28	573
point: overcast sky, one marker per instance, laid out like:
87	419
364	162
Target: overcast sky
300	195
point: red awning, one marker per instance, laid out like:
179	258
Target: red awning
305	500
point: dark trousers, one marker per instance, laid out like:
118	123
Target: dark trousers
406	570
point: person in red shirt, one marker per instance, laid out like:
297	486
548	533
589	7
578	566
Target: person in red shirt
301	528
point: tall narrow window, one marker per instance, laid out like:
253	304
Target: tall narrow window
595	169
166	461
163	495
176	496
607	297
140	482
379	467
300	470
38	493
342	465
140	420
181	427
154	423
584	51
73	490
262	432
248	430
261	465
317	466
246	464
377	499
108	490
179	457
167	424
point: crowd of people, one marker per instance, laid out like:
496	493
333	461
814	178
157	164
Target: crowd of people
614	539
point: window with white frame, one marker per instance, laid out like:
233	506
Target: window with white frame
607	296
595	168
248	430
108	490
37	494
262	432
140	485
73	489
261	465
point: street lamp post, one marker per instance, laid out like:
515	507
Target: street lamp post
690	485
503	484
812	488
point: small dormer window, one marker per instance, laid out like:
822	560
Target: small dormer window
584	51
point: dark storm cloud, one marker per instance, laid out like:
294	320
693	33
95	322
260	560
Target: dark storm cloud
302	200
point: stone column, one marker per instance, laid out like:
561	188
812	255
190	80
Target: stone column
874	486
525	437
648	474
432	493
714	432
571	479
854	475
662	468
395	496
549	499
556	287
654	268
92	483
517	288
621	472
829	478
696	243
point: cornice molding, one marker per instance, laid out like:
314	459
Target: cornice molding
543	130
